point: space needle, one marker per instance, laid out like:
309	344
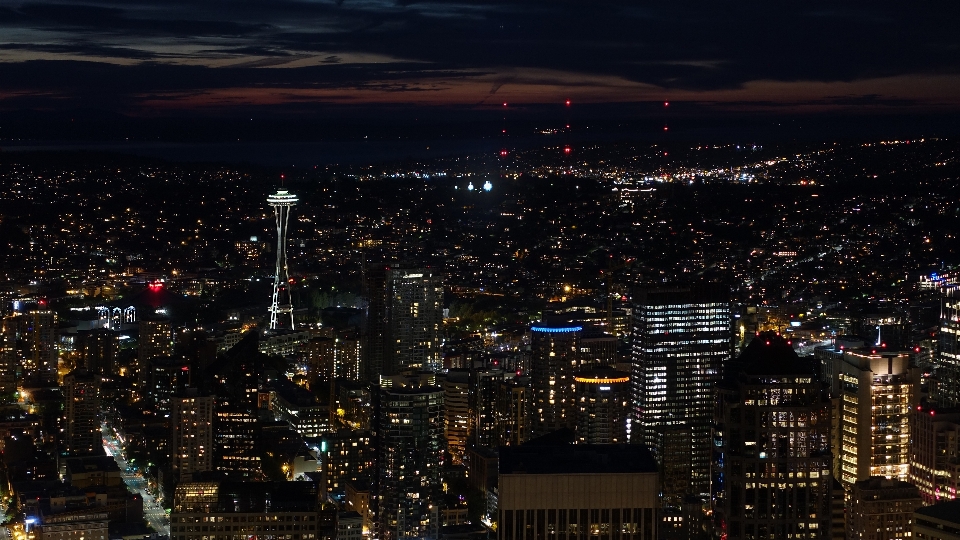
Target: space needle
281	201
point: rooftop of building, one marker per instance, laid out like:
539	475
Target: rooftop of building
602	375
555	455
770	354
945	511
255	496
87	464
887	488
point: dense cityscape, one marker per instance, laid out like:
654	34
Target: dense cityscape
610	342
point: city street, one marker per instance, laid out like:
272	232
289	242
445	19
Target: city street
153	513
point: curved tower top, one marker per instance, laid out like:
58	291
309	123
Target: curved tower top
282	198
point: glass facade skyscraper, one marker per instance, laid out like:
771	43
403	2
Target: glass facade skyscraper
681	341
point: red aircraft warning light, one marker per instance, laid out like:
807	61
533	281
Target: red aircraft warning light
568	103
503	153
666	103
665	128
155	285
567	150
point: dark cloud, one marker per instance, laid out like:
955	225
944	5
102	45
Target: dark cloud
173	50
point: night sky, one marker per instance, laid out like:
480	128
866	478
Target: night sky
448	61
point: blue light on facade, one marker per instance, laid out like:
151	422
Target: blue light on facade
556	330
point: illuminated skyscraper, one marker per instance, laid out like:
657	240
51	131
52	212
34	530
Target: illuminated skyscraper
602	403
947	393
191	426
81	396
681	341
410	420
773	417
402	326
282	306
156	338
879	389
554	359
456	412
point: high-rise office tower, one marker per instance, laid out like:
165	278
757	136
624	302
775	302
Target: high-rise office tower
513	411
456	412
40	334
30	344
947	364
191	427
156	339
410	431
773	417
935	453
879	391
235	438
603	404
373	326
99	350
402	327
554	359
166	377
81	395
681	340
349	457
10	366
281	308
483	409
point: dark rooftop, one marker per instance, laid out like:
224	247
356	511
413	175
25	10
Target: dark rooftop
576	459
770	354
946	511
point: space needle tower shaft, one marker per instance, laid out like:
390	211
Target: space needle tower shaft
282	307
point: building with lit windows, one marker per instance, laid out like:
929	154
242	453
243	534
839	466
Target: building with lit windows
681	340
456	412
409	488
879	391
513	405
191	427
577	491
235	436
773	417
402	325
554	359
81	395
484	414
232	510
156	338
881	509
935	453
603	403
348	456
947	363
